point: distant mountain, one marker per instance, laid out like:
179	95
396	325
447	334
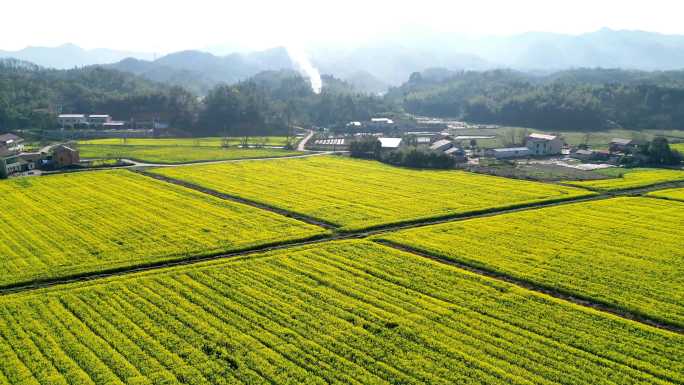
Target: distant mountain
69	56
364	81
391	59
393	62
604	48
199	71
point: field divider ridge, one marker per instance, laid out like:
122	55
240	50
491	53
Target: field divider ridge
335	235
539	288
639	190
234	198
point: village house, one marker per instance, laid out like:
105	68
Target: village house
508	153
589	155
12	163
625	145
72	120
380	124
442	145
11	142
98	120
542	145
389	144
64	156
457	153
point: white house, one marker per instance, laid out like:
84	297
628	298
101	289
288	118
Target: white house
98	120
541	144
380	124
390	143
72	120
382	121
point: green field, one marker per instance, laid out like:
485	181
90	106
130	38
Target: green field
337	313
674	194
357	194
630	179
177	154
678	146
70	224
626	252
191	142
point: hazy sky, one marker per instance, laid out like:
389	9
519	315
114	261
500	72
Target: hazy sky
164	26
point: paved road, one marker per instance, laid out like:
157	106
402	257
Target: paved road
303	142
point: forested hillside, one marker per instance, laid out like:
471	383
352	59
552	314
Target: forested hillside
31	97
579	99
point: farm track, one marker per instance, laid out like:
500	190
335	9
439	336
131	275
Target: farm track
361	234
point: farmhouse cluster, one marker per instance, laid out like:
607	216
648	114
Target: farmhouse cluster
14	159
106	122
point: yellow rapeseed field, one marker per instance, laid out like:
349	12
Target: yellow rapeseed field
625	252
62	225
633	179
358	194
675	194
335	313
175	154
190	142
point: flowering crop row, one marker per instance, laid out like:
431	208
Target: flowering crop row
634	179
70	224
349	312
357	194
676	194
177	153
626	252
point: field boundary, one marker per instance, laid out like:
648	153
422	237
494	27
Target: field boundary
235	198
632	190
334	235
536	287
37	284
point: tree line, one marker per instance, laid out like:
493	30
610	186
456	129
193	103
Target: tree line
590	99
273	101
31	97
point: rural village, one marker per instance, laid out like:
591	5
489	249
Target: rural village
328	193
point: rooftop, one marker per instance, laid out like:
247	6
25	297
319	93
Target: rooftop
390	142
71	116
510	149
6	153
440	143
10	138
382	120
542	137
621	141
454	150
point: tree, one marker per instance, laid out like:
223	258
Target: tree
659	152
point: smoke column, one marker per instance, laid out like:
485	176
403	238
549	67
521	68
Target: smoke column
305	67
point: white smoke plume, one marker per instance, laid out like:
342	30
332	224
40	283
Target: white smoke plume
300	58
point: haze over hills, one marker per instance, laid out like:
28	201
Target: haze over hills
377	65
200	71
68	56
